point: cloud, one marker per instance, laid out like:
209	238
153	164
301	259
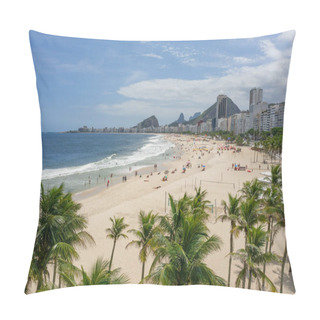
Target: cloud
152	55
136	75
166	98
184	54
236	84
243	60
286	36
270	50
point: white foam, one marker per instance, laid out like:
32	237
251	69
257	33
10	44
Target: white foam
155	146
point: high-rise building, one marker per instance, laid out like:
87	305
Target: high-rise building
276	115
222	106
271	117
265	120
255	112
256	96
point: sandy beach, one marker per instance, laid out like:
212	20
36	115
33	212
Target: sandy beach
149	192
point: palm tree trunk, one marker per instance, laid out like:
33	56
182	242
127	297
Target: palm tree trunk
271	236
142	273
114	245
266	250
282	267
54	273
39	284
250	277
244	264
230	257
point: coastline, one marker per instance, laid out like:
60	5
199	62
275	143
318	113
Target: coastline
111	164
144	171
151	194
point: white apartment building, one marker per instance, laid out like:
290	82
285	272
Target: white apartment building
276	115
222	124
265	120
272	117
255	111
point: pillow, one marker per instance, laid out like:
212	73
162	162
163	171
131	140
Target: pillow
161	163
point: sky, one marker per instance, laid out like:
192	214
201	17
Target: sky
107	83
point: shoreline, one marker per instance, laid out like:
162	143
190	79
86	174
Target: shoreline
127	199
92	176
143	171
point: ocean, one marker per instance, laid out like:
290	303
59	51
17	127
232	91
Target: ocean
86	160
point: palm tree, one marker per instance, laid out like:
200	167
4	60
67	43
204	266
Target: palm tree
272	196
171	223
145	235
60	231
73	234
253	256
198	204
278	211
50	222
252	189
231	213
276	176
270	199
100	274
115	233
180	261
248	218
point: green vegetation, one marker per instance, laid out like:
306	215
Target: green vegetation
178	242
182	244
115	232
232	214
61	231
144	235
100	274
260	206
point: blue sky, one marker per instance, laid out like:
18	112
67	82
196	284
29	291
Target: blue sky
104	83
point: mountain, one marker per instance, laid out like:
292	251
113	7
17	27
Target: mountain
177	122
196	115
149	122
210	113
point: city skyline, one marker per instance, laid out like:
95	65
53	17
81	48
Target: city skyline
261	116
119	83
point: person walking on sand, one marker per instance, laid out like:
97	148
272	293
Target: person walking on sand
108	184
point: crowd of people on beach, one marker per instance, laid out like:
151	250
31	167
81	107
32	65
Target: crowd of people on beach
198	152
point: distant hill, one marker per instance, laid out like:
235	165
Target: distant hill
210	113
149	122
196	115
177	122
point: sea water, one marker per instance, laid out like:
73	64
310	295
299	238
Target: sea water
86	160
